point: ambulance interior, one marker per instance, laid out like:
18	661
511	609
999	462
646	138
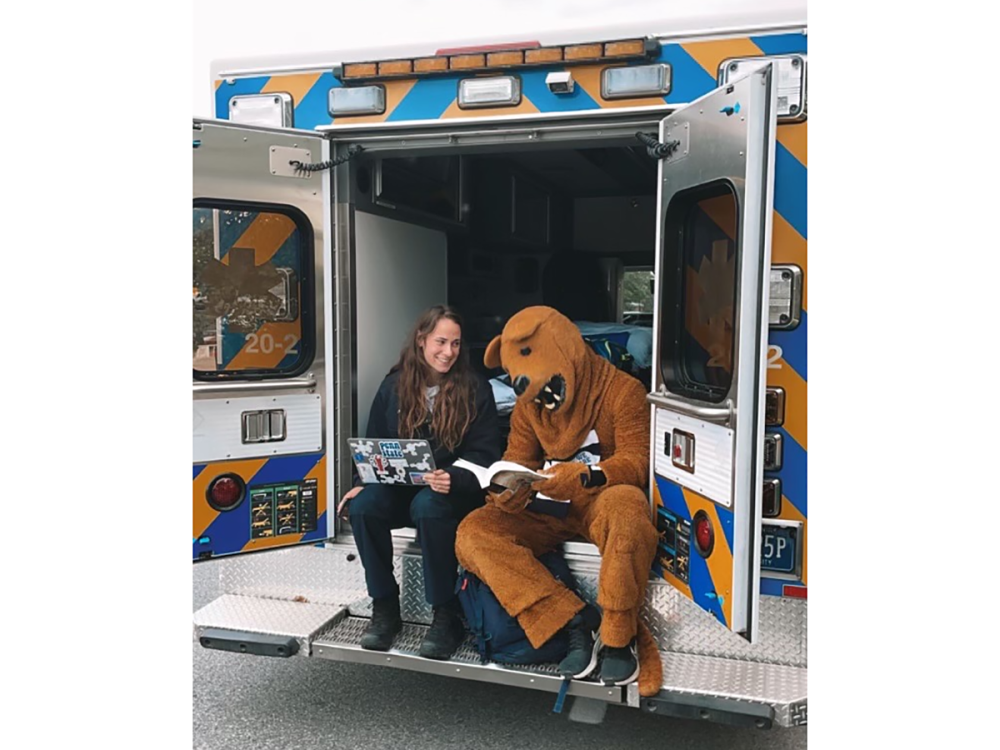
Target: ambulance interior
491	233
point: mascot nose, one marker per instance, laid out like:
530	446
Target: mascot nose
520	384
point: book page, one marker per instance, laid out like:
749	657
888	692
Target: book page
509	472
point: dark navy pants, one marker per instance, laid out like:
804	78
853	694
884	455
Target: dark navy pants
379	508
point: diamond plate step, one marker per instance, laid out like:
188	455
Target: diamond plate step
782	688
341	643
301	620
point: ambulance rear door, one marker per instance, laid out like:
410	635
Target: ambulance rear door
710	333
262	383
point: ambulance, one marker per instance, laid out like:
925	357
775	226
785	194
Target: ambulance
647	179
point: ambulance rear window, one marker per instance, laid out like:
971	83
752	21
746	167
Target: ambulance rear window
252	291
699	292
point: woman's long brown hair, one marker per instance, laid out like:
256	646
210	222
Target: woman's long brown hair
454	407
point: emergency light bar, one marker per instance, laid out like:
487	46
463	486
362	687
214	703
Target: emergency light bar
512	55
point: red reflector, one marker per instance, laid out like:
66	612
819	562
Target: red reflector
703	533
677	451
488	48
795	592
226	492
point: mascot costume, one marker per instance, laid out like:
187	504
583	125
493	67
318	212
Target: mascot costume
585	424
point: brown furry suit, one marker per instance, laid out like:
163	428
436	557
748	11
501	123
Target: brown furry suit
500	542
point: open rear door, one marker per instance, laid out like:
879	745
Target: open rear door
712	266
261	366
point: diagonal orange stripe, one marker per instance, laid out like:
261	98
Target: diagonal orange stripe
710	55
669	577
266	234
791	513
795	399
203	513
395	92
524	108
267	346
678	584
722	211
788	246
296	84
708	338
271	541
720	562
318	473
793	137
217	84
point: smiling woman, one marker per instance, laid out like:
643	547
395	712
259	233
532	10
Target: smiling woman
431	393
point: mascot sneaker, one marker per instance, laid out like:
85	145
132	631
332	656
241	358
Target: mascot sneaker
584	642
619	666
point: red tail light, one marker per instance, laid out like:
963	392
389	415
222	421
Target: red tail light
226	492
704	534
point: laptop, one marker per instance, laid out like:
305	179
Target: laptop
392	461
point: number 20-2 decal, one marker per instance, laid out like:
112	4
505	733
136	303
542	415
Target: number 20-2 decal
266	344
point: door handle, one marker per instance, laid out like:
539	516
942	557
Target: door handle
254	386
722	414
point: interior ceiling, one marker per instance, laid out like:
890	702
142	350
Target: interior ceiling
592	172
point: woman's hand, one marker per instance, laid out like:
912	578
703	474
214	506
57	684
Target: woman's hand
439	480
350	495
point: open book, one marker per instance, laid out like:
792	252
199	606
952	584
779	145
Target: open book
505	473
511	475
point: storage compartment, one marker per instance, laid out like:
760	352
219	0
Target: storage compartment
561	227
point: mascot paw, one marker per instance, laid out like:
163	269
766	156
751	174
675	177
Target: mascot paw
510	501
650	666
566	481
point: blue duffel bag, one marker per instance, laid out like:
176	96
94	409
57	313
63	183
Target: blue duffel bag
498	636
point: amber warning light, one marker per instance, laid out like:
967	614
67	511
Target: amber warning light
500	57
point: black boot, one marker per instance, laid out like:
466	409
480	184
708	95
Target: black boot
385	625
583	643
619	666
445	634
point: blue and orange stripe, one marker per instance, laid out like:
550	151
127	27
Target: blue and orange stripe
229	532
709	592
694	70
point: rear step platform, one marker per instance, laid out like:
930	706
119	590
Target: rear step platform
318	597
247	615
342	643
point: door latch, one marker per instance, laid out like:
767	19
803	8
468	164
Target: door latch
267	426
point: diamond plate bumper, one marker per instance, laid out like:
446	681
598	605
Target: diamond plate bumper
340	643
301	620
318	595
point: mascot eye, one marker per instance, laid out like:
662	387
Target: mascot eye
526	351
